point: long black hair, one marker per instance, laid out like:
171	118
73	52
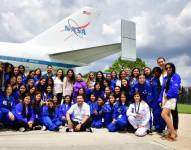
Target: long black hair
24	106
126	102
170	75
62	76
72	78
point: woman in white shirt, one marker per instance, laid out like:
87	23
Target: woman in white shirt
68	83
138	115
58	85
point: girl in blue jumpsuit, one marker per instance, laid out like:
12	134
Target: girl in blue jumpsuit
119	122
37	109
64	108
50	116
7	104
108	109
97	114
92	103
158	121
24	115
144	89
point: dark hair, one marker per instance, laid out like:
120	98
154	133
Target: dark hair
161	58
169	76
121	73
81	95
70	99
7	88
39	70
72	78
136	94
101	74
50	78
172	66
49	66
28	76
115	73
133	71
21	66
120	102
29	107
157	69
62	76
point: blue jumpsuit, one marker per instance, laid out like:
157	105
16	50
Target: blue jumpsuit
50	118
120	116
158	121
7	104
29	116
107	113
173	87
62	112
97	118
37	109
144	90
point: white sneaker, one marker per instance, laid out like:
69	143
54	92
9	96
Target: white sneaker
21	129
89	130
43	128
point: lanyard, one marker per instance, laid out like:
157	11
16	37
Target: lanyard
137	109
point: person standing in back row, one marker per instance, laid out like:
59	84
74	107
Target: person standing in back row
161	63
58	82
168	98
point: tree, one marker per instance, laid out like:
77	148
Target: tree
121	64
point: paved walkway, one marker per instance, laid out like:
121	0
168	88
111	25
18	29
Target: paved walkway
99	140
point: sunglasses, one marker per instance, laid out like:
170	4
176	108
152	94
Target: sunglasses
168	68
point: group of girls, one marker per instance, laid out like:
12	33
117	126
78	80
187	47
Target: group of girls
128	101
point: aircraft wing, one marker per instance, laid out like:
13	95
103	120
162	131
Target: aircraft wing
85	56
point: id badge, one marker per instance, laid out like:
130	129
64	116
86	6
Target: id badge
120	116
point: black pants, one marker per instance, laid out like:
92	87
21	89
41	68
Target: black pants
175	117
25	125
59	97
84	126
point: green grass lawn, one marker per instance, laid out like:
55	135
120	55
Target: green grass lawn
184	108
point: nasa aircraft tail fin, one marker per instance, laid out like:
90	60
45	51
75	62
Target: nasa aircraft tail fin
69	31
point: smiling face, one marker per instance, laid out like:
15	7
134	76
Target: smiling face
27	100
111	99
38	97
142	79
80	100
137	98
67	99
123	98
9	91
135	72
168	69
161	62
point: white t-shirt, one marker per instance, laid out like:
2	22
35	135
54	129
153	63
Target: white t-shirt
78	113
163	75
58	85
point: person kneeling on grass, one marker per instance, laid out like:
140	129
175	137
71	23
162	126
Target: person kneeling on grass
24	115
139	115
78	116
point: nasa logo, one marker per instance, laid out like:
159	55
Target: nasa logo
74	27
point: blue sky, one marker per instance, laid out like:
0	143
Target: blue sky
163	26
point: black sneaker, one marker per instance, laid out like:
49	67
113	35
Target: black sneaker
37	127
69	130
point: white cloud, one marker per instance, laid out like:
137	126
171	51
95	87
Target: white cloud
163	27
